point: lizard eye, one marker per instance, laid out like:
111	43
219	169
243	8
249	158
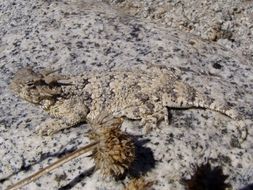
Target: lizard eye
30	83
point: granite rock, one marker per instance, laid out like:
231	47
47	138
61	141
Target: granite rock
83	35
229	23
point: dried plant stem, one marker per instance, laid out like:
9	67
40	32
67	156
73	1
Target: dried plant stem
53	166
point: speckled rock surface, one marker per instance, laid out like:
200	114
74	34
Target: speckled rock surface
86	35
229	23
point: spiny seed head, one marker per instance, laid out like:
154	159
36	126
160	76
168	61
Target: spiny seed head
139	184
115	151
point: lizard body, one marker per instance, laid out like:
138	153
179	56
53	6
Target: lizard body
136	94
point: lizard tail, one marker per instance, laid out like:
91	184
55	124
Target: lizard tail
184	96
225	109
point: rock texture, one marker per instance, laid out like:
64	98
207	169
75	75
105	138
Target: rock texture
78	36
229	23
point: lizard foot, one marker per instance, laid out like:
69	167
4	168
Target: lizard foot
50	127
151	122
243	130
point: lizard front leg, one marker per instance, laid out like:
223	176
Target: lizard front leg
66	113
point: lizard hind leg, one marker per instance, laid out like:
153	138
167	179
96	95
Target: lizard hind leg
149	119
151	122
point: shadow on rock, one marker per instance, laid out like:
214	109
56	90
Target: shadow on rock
26	167
144	161
78	179
248	187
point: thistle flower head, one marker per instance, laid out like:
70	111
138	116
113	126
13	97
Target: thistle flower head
139	184
115	150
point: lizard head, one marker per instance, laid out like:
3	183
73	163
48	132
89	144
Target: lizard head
35	87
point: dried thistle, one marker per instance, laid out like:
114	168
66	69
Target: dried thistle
206	178
115	151
138	184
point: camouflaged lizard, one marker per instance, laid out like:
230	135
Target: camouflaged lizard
138	94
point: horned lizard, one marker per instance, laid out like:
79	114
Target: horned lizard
139	94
